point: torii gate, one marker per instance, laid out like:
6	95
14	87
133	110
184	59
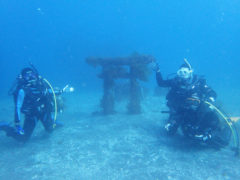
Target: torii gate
135	68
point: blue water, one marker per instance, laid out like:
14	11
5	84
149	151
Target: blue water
58	35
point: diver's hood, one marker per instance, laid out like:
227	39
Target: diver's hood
185	71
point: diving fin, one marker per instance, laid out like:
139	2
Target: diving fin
5	127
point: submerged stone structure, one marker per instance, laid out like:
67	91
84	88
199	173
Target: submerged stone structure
134	68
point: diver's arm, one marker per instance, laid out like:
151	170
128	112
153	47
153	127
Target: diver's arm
56	92
20	99
161	82
66	89
209	93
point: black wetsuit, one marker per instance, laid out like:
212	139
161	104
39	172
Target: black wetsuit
36	105
185	102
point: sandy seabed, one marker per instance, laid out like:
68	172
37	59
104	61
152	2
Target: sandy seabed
118	146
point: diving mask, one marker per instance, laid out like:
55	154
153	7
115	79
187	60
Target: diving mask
184	73
30	76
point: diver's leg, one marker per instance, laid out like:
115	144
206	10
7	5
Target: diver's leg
190	125
6	127
211	121
48	122
28	127
220	134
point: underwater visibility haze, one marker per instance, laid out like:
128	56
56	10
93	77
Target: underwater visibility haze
58	36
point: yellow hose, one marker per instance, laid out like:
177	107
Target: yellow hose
226	119
55	102
221	114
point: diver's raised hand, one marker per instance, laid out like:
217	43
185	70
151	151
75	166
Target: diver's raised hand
155	66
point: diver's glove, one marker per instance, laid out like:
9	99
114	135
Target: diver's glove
155	66
19	130
168	126
211	99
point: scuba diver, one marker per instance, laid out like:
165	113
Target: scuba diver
187	108
35	98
